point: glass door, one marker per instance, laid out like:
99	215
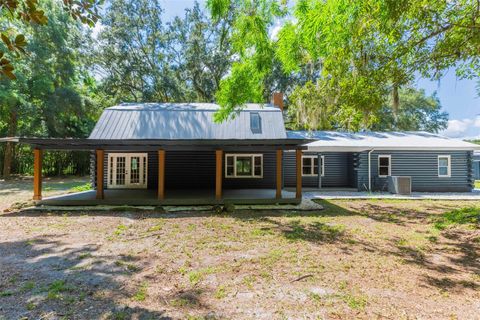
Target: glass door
127	170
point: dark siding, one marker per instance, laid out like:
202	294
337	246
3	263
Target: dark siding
196	169
422	167
188	170
338	172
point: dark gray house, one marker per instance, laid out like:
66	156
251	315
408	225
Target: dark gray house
175	153
364	161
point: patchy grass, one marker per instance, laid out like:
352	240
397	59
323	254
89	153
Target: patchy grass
141	293
357	259
466	216
57	288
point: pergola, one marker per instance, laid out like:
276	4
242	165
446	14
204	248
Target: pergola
163	147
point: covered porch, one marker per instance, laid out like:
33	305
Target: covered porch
162	194
172	197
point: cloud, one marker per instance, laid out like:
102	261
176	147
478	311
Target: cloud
463	128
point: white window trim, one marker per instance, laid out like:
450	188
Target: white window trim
252	155
389	165
313	174
449	167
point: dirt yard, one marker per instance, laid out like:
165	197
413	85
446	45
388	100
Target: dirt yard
354	260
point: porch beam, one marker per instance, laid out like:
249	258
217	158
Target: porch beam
161	174
37	174
99	159
218	174
278	194
299	174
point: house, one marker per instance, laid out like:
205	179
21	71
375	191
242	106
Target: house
175	153
364	160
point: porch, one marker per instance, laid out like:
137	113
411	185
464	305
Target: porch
159	184
172	197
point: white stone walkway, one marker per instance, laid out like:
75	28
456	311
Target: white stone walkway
474	195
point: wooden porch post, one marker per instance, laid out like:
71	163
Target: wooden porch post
99	158
278	194
218	174
161	174
299	173
37	174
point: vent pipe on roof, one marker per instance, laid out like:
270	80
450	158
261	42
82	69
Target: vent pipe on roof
277	100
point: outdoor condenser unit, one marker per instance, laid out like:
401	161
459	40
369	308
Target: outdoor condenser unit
400	185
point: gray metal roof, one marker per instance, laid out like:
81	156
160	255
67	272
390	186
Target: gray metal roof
346	141
177	121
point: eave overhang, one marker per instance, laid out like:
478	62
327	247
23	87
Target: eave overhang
155	144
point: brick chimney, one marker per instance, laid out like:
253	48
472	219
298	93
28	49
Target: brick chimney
277	100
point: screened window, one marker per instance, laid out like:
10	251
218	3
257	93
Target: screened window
243	165
384	166
444	166
310	165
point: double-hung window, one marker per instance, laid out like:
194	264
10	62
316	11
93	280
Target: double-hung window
444	166
244	165
384	166
310	165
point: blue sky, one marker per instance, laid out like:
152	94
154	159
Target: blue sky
458	97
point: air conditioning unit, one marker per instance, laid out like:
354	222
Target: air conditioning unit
400	185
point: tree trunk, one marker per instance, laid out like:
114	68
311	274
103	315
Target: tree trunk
8	156
395	104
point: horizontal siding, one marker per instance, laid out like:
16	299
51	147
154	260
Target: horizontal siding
196	169
338	172
422	167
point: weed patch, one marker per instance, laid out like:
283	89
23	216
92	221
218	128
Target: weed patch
465	216
141	293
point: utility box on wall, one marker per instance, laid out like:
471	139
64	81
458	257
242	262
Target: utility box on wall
400	185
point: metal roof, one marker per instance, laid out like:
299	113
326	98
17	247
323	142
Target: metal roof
177	121
345	141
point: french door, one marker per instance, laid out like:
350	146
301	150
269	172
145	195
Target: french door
127	170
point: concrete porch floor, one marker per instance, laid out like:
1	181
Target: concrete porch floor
172	197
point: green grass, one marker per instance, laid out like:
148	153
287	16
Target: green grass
6	293
465	216
141	293
56	288
69	186
82	187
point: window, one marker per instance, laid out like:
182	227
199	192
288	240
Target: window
255	122
310	165
243	165
444	166
384	166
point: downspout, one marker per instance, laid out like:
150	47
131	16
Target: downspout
370	170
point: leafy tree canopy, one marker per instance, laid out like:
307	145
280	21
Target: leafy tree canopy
364	50
32	13
141	58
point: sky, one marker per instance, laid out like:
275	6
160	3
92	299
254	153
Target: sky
458	97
